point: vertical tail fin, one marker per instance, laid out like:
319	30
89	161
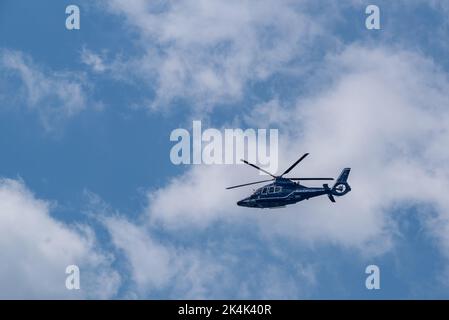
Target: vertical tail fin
341	187
343	178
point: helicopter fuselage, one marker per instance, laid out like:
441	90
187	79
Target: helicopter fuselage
280	193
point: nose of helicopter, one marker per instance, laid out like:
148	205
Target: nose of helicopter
243	203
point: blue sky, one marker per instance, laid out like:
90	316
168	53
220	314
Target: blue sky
85	121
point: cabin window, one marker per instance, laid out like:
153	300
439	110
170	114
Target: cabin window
271	190
278	189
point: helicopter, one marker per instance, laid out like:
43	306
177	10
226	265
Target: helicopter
285	191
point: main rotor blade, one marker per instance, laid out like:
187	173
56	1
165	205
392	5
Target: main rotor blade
294	165
248	184
254	166
305	179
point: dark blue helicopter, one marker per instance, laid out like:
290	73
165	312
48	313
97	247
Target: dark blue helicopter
284	191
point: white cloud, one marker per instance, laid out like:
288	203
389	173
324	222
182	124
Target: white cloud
384	113
197	198
178	266
35	250
162	266
156	266
54	96
93	60
208	51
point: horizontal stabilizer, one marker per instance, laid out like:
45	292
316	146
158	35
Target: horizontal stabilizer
329	192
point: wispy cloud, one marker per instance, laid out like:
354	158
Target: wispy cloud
54	95
207	52
156	267
37	248
164	266
160	263
93	60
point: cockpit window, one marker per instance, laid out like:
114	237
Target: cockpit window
271	190
264	190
